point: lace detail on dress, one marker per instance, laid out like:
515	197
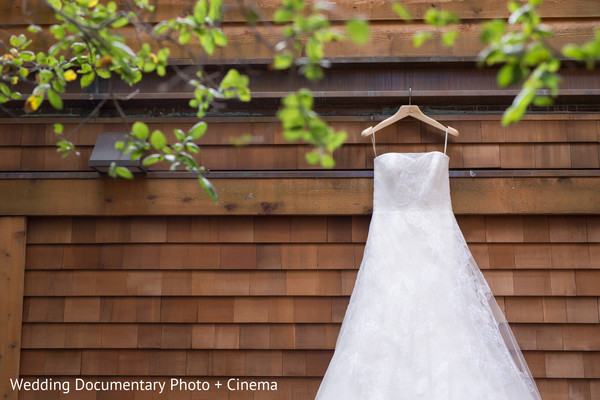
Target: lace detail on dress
422	323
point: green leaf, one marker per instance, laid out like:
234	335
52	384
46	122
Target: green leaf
56	4
336	140
293	134
208	188
123	172
17	41
34	28
40	58
513	6
231	79
402	12
283	60
149	66
4	88
158	140
507	75
512	114
78	47
140	130
553	65
179	134
358	30
312	157
198	130
119	145
87	79
58	129
420	37
120	23
85	68
219	37
214	10
55	99
184	36
200	11
543	101
27	56
493	30
152	159
449	37
282	15
438	18
208	43
163	55
192	147
123	49
243	94
518	14
58	31
314	49
536	55
573	51
103	73
161	28
327	161
313	72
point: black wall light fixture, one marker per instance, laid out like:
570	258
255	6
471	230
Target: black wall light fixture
104	154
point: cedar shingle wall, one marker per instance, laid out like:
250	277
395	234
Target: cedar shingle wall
536	143
263	297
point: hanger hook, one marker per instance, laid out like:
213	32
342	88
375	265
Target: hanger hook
409	95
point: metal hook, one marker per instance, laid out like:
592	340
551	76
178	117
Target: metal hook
409	95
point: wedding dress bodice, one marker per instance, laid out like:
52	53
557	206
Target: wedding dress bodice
406	181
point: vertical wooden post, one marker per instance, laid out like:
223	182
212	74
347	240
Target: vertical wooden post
12	272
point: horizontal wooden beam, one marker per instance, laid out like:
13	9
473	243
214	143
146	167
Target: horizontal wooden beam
14	11
430	83
393	94
561	195
387	39
308	174
440	115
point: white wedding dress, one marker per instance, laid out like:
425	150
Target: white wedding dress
422	323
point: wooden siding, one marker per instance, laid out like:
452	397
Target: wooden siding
572	22
466	9
264	296
317	196
150	280
540	142
12	267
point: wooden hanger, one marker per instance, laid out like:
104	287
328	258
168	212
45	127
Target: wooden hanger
408	111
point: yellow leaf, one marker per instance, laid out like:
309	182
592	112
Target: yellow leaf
92	3
104	61
32	104
15	80
70	75
154	58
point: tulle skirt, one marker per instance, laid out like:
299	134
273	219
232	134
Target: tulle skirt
422	322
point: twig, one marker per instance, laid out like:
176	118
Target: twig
86	119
